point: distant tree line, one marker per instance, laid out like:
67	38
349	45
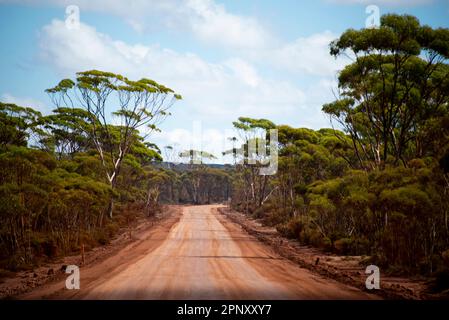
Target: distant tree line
196	184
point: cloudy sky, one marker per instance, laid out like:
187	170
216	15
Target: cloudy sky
228	59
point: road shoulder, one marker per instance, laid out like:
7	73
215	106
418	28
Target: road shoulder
346	270
48	281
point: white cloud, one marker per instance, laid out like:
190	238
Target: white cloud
216	93
24	102
308	54
212	23
206	20
244	70
210	88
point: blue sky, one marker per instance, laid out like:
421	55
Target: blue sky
227	58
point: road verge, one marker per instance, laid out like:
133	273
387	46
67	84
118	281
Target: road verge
349	270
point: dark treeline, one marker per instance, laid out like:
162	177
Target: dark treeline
380	186
195	183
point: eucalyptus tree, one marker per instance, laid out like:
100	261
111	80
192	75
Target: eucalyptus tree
399	80
253	133
142	105
19	125
156	179
195	177
66	131
169	154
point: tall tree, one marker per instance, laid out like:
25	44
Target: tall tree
194	178
253	133
143	104
398	80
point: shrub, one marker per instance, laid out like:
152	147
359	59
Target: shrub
277	216
343	246
291	229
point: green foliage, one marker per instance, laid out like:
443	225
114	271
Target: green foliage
394	91
17	124
142	104
54	192
380	186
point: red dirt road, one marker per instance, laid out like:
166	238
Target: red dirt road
202	256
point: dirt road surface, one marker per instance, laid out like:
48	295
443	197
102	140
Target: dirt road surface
202	256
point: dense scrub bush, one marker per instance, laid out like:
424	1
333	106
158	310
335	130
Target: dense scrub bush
396	215
49	207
